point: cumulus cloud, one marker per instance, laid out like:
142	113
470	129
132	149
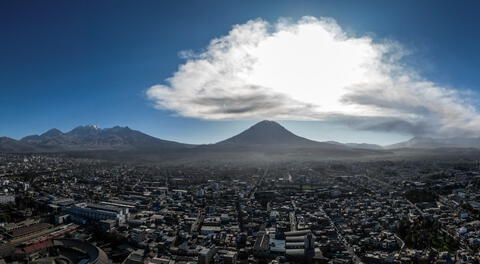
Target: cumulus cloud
312	69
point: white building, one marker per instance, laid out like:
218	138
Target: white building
5	199
97	212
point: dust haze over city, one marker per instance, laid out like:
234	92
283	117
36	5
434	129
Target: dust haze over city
162	132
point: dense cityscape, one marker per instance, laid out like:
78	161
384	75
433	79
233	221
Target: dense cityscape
57	208
239	132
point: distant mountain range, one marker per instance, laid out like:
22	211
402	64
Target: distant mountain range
433	143
9	145
85	138
263	136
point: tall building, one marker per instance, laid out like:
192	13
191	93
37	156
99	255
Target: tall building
206	255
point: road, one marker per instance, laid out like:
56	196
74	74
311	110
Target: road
350	249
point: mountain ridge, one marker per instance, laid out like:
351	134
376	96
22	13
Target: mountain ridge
90	137
11	145
262	135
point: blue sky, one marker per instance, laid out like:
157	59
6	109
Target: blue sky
68	63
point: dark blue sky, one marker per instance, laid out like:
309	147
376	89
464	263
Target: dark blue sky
67	63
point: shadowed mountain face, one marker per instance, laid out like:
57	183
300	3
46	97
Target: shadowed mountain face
93	138
272	134
11	145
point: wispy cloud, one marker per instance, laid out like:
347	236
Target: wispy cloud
312	70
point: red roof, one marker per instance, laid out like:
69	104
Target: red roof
29	229
35	247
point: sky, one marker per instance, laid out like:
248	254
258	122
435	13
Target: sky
201	71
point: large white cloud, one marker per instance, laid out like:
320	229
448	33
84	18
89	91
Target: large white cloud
312	70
